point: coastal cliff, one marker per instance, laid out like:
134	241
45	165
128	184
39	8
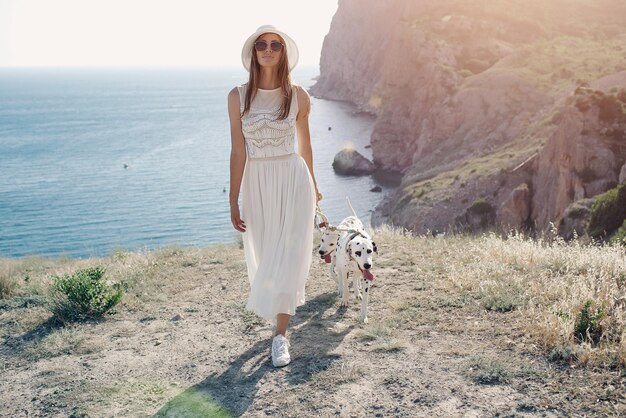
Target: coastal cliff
501	102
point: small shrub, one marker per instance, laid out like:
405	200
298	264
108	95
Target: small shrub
608	211
487	371
503	302
587	325
83	295
619	237
563	354
576	212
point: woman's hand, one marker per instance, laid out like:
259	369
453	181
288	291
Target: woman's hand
236	220
318	195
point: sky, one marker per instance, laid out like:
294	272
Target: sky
152	33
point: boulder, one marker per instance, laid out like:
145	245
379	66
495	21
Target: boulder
349	162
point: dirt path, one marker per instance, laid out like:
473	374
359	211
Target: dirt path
189	347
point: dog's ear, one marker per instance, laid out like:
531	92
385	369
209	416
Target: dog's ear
375	247
349	248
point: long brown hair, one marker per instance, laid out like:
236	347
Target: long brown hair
283	76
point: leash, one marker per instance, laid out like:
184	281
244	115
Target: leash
321	222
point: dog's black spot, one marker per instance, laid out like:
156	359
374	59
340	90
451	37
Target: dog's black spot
358	253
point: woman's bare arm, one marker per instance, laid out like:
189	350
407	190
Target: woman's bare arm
304	135
237	158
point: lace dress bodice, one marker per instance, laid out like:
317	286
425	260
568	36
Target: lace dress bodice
265	134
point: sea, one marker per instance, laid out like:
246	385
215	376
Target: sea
94	161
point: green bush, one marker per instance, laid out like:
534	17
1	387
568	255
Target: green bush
608	211
576	212
619	237
83	295
587	325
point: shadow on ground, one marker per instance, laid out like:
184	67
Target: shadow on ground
232	392
15	346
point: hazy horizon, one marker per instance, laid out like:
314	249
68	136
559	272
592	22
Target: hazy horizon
145	34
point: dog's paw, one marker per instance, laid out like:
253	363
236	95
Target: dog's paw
364	320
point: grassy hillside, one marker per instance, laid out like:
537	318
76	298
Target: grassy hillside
458	325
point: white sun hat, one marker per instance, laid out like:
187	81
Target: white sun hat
292	48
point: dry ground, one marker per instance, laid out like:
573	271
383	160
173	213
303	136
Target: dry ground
458	327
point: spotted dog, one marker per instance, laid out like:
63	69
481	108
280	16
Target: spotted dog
330	236
354	251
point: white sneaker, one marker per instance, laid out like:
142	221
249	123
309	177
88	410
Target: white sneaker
280	351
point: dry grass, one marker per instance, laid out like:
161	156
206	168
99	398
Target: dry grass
551	66
546	283
64	341
337	371
482	313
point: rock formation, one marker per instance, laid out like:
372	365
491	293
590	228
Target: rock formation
519	104
349	162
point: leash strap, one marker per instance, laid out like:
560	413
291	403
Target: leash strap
321	220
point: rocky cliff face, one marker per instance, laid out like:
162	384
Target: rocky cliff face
583	158
479	100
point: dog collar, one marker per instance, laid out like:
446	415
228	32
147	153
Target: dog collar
352	236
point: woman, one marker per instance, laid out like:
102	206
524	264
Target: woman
279	192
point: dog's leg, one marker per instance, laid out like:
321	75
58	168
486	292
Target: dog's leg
333	271
356	285
366	292
343	280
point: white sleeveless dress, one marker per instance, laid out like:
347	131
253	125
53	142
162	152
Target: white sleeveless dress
278	207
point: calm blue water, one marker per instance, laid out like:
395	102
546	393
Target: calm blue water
66	136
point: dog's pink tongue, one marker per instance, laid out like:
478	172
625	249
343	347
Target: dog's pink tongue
367	275
327	258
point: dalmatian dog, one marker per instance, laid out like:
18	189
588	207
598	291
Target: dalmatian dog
354	254
330	236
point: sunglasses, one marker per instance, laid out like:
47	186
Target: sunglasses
262	46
